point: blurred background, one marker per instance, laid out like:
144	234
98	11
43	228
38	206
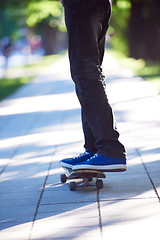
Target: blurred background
33	29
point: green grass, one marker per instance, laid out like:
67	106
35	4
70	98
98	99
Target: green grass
10	85
44	61
147	70
150	72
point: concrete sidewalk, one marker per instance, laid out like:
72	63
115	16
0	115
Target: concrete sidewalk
40	125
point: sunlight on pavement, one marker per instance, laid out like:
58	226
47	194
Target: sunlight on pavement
9	176
18	232
47	103
52	172
43	139
40	125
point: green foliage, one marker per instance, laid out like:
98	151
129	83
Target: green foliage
11	18
119	25
37	11
150	72
15	14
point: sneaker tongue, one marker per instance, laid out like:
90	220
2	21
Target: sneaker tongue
87	151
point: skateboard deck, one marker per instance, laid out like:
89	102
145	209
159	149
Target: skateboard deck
86	177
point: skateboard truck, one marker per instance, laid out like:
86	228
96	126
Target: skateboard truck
86	177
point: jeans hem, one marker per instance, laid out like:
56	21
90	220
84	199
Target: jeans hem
112	155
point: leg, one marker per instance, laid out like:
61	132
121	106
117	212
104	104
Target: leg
88	135
86	29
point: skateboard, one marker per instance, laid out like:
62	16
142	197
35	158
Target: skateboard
86	177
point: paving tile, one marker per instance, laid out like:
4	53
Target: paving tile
66	233
3	164
79	217
62	194
21	185
134	164
13	216
21	192
19	124
132	219
17	213
6	154
124	186
18	232
67	225
18	199
156	181
89	209
52	131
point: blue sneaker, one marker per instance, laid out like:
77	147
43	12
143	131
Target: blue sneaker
70	162
102	163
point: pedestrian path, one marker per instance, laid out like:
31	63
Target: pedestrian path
40	125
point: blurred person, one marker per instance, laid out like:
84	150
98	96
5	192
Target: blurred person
7	49
87	23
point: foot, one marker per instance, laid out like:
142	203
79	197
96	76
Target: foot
102	163
70	162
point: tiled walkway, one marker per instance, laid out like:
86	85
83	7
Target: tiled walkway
40	125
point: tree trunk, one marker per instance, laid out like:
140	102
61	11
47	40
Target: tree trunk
49	39
144	30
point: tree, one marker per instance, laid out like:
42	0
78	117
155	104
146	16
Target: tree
135	25
47	15
119	25
44	15
9	15
144	29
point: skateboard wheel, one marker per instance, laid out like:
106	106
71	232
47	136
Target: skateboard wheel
99	184
63	178
72	186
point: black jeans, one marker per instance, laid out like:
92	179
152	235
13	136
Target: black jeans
87	24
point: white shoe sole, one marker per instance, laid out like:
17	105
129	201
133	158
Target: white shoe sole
66	165
109	168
